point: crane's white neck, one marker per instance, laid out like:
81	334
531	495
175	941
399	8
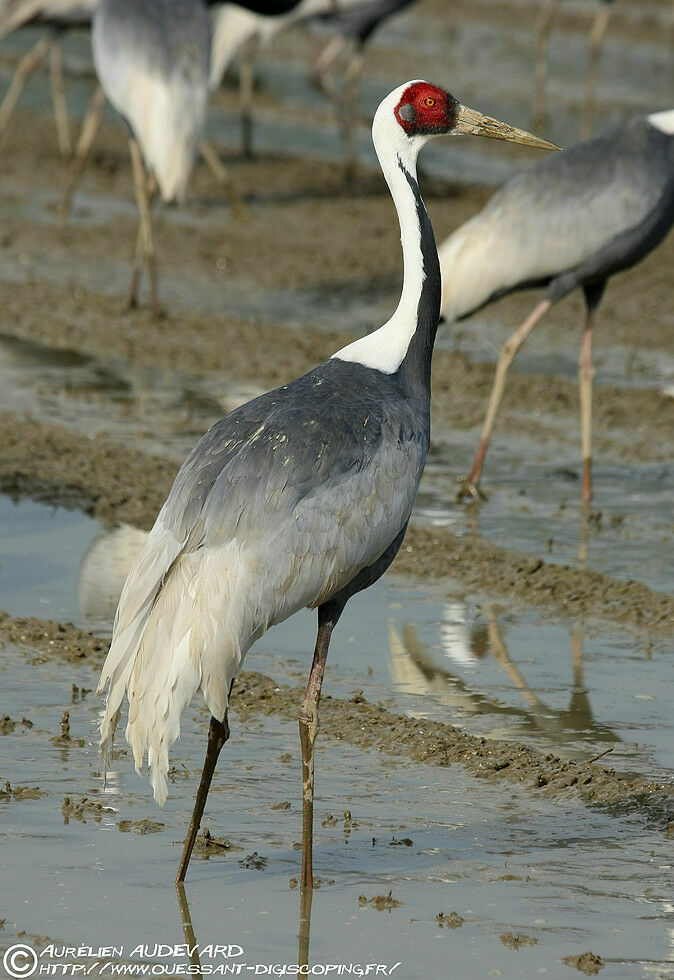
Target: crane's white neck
385	348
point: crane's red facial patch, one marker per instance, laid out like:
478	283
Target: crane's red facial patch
425	110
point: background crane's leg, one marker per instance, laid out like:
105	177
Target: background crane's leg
26	66
59	97
223	176
308	720
218	733
352	75
145	229
469	486
543	29
90	125
320	72
585	377
139	255
596	38
137	273
246	85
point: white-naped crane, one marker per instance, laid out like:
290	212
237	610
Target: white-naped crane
152	61
301	497
546	17
241	24
571	221
56	16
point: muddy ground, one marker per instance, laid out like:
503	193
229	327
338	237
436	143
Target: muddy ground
372	727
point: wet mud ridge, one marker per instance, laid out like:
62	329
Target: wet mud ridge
115	483
372	727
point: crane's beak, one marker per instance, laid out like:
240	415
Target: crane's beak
472	122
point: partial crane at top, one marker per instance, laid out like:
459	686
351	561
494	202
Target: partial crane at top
152	61
239	26
570	222
57	16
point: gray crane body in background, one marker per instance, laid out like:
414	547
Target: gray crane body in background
572	220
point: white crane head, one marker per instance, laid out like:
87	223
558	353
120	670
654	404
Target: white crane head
417	111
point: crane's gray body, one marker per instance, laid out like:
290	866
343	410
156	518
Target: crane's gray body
299	498
574	219
152	60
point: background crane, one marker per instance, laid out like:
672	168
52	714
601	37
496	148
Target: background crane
57	16
572	221
152	59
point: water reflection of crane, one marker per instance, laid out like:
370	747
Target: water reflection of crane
103	572
417	672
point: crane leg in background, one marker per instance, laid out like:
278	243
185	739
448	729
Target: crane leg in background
469	486
543	30
596	37
90	125
354	70
308	723
246	85
324	62
59	97
223	176
144	247
345	102
26	66
585	378
218	733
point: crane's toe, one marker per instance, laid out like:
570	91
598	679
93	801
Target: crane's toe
469	491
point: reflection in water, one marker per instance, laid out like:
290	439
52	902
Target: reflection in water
103	573
188	929
306	896
416	672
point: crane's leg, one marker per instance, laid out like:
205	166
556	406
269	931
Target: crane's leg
585	378
596	37
59	97
352	75
469	486
26	66
90	124
218	733
308	721
326	59
246	84
223	176
144	231
543	29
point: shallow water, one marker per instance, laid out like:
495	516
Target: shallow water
431	651
533	506
567	877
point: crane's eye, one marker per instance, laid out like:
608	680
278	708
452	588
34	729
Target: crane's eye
429	102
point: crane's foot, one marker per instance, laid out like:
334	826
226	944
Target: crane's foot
469	491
